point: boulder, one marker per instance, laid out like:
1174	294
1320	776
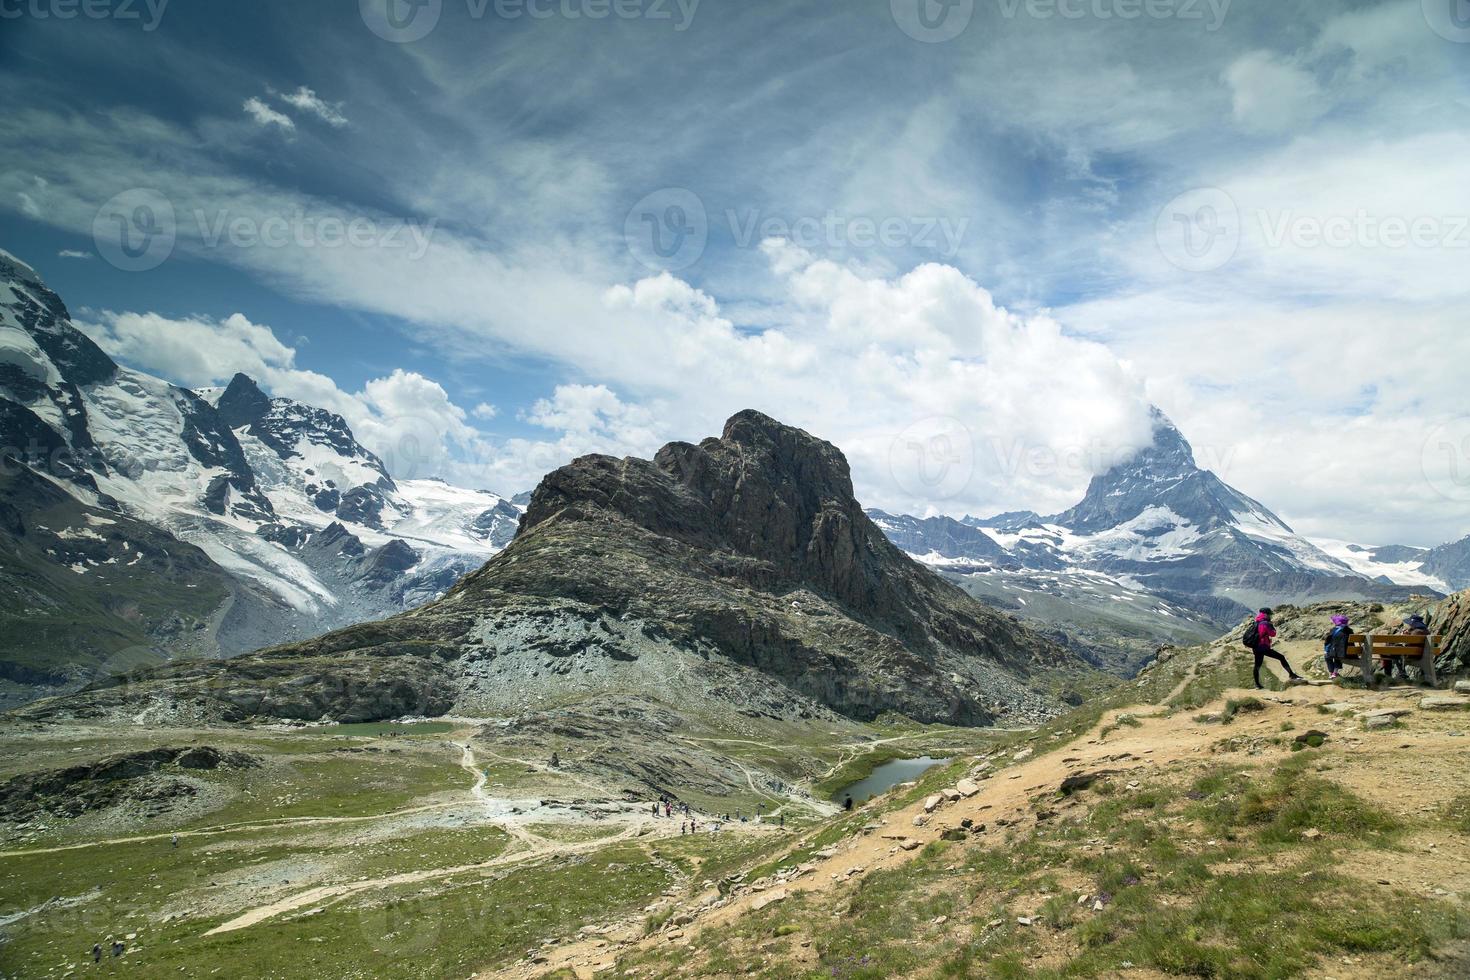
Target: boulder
1082	780
769	898
967	787
1443	702
932	803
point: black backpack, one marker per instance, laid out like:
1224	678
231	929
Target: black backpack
1252	637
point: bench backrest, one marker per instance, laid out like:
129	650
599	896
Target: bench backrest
1392	644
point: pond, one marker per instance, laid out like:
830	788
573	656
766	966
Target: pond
886	776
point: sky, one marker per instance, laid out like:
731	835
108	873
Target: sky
970	242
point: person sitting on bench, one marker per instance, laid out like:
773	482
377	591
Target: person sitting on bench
1413	626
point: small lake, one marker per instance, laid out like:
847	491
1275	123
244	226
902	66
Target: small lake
886	776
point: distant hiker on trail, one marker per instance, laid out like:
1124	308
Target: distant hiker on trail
96	952
555	761
683	828
1334	645
655	809
1258	639
783	821
175	841
847	803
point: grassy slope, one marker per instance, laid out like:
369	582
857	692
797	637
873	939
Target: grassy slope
1243	894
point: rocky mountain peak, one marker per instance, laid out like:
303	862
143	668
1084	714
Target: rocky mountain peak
1164	478
242	402
764	491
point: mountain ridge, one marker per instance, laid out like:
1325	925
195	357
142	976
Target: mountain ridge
248	479
739	574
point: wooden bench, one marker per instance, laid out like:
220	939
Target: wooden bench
1364	650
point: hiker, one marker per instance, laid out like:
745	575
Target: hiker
1414	625
783	821
655	809
683	828
1334	645
1258	638
847	803
117	949
175	841
96	952
555	760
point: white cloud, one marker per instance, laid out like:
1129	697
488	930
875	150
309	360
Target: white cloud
265	116
1271	94
308	101
1060	144
484	411
192	352
405	418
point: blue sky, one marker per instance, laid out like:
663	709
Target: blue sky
971	262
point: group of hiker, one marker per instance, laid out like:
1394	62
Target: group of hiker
689	823
1262	631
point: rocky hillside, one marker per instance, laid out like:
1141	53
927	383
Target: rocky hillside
1451	619
1450	563
85	590
739	575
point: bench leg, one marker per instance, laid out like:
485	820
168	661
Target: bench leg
1367	666
1427	665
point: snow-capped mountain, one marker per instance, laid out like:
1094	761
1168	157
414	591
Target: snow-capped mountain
306	526
1398	564
1157	524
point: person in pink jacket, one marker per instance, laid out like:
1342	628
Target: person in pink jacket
1262	633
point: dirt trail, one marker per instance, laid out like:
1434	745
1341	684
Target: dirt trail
327	894
530	848
1159	742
